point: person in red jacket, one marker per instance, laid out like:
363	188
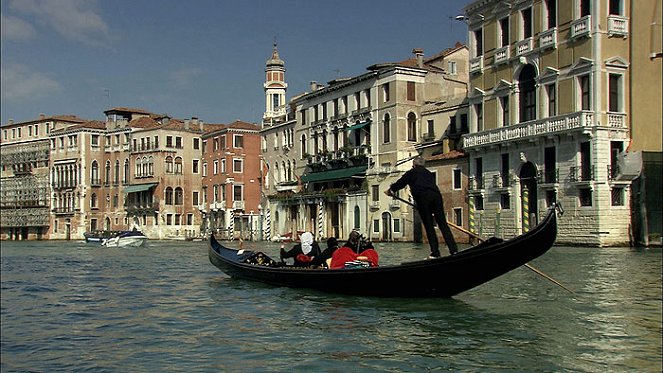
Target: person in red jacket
428	200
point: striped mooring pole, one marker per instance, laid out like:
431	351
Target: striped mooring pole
471	215
231	225
525	209
268	225
320	220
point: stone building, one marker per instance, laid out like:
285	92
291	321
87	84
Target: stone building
551	92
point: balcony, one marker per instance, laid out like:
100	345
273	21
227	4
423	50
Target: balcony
476	183
524	46
548	176
394	204
543	127
65	211
581	27
582	174
375	204
548	39
501	180
238	205
617	26
613	171
142	207
476	65
502	55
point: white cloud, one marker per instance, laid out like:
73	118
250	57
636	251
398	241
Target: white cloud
13	28
184	77
20	83
77	20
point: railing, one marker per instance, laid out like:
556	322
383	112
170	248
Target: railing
502	55
613	170
548	39
394	204
95	182
476	183
617	120
142	206
579	174
617	25
375	204
548	176
524	46
501	180
529	129
238	205
65	210
476	65
581	27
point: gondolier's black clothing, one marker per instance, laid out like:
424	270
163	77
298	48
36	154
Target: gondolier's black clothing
428	200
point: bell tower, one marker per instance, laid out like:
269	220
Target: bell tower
275	87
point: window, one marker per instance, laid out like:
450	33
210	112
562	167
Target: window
223	166
93	201
194	198
478	111
189	219
585	103
238	141
169	164
196	144
585	161
195	164
478	42
551	92
115	201
125	179
452	68
411	127
615	94
238	165
504	31
551	197
411	92
94	140
617	196
615	7
357	218
94	173
116	179
375	193
478	203
179	196
397	225
169	141
458	216
456	177
215	169
585	196
237	193
168	194
216	144
549	165
169	219
107	178
504	107
527	23
551	10
431	128
178	142
385	92
504	172
376	226
585	9
505	201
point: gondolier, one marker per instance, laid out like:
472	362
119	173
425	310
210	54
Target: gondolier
428	200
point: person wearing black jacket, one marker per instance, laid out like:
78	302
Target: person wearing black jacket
428	200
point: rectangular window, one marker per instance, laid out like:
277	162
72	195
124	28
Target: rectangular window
238	141
551	9
222	141
94	140
551	197
585	103
29	130
169	141
585	196
385	92
458	216
205	169
196	144
504	105
457	181
504	31
238	165
195	166
478	203
178	142
376	226
178	219
215	170
478	42
617	196
397	225
237	193
505	201
223	166
303	114
478	110
452	68
551	91
189	219
504	172
527	23
411	93
585	9
550	165
464	124
431	128
169	219
616	7
375	193
614	88
216	144
585	161
194	198
357	101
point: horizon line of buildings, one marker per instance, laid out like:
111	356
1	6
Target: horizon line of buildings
550	101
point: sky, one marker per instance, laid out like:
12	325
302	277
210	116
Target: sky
199	58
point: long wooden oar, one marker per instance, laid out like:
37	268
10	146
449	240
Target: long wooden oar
537	271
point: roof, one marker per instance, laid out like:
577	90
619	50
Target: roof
453	154
92	124
45	118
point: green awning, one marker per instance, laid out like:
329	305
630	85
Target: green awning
139	187
330	175
358	126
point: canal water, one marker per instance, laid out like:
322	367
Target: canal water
164	308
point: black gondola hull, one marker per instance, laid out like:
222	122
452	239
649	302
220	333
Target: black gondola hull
443	277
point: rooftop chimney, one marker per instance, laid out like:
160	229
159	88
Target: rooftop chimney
42	115
420	56
314	86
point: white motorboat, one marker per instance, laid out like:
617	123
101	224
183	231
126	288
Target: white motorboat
126	239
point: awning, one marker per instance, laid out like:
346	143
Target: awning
139	187
341	173
358	126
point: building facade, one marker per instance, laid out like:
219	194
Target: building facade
550	92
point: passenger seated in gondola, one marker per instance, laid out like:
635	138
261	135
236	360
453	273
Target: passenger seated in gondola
324	259
304	252
356	252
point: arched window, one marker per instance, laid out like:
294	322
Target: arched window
107	179
139	167
178	165
276	172
94	173
527	92
386	129
411	127
145	173
169	164
150	166
116	179
93	201
283	171
357	218
179	196
169	195
126	172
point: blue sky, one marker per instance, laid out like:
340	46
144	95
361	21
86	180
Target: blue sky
203	58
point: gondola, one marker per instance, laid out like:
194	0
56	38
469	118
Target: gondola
441	277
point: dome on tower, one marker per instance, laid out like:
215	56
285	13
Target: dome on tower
275	60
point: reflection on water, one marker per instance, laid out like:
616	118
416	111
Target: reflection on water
165	308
